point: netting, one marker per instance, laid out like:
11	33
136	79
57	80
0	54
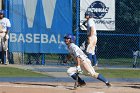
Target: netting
114	48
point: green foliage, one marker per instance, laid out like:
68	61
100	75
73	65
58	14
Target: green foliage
127	15
129	9
127	22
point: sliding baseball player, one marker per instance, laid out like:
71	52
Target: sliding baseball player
83	64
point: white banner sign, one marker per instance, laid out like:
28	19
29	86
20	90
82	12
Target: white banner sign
103	12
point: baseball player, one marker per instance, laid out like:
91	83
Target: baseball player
83	64
4	27
91	38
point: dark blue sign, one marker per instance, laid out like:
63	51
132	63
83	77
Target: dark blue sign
98	9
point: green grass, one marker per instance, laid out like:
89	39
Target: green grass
108	73
15	72
120	73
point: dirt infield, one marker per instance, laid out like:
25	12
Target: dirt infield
67	87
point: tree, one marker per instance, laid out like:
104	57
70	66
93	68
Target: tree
128	14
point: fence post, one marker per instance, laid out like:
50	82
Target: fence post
77	22
139	37
43	59
6	7
5	3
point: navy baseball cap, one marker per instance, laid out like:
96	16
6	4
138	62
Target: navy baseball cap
1	12
88	13
70	36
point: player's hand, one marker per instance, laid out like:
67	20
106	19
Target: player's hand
78	68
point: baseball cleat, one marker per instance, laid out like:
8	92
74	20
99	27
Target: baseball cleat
134	66
80	84
108	84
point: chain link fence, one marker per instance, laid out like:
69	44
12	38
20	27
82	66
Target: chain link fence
118	48
114	48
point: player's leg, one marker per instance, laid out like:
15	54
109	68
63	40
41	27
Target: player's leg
91	50
4	57
93	59
1	50
94	51
95	62
4	44
0	57
135	55
72	72
90	57
135	60
87	65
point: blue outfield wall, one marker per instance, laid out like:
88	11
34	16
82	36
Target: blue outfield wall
38	26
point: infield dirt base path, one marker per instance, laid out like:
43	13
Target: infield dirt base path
67	87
